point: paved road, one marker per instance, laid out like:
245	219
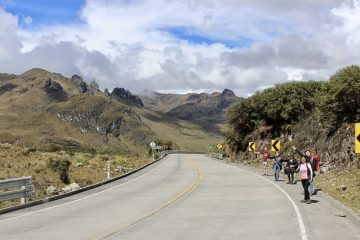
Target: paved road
183	197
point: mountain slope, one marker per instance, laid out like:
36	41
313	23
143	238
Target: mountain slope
43	109
207	110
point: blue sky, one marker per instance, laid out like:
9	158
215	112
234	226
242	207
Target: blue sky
45	12
49	12
192	36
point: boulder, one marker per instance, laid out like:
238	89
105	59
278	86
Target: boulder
341	188
52	190
340	214
74	186
324	169
79	164
66	189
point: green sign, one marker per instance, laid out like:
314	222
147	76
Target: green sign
210	147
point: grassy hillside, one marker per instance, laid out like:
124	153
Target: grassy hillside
61	117
207	110
85	168
44	120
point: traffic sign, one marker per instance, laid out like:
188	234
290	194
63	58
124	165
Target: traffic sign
357	137
156	147
252	146
152	144
219	146
275	145
210	148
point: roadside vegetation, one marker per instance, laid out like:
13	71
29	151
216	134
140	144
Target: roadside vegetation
59	168
337	101
318	115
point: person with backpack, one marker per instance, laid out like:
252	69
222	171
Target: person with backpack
311	158
277	166
306	177
290	168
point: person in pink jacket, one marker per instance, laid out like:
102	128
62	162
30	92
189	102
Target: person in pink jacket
306	176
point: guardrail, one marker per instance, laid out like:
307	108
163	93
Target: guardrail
53	198
26	189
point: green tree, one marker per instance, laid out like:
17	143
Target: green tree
342	102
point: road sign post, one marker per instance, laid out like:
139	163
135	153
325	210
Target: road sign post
357	137
152	145
108	169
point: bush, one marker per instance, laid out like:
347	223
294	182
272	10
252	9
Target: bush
61	167
342	101
275	107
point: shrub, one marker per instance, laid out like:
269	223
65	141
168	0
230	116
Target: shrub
342	101
61	167
275	107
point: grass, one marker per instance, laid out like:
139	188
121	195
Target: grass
348	177
17	161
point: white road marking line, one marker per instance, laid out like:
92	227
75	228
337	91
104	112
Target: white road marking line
297	211
80	199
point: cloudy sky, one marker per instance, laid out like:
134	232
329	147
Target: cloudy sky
181	45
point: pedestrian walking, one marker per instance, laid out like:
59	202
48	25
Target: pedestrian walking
306	176
277	166
265	158
290	168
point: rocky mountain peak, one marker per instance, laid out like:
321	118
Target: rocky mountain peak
228	92
123	94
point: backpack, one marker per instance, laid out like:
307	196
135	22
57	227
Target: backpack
308	170
316	162
266	156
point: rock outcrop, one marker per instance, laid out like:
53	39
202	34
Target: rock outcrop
7	87
55	91
122	94
5	77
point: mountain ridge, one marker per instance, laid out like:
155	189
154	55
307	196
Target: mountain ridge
41	109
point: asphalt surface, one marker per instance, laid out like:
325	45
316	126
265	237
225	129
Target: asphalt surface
184	197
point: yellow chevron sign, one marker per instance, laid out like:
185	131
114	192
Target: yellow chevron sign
275	145
252	146
357	137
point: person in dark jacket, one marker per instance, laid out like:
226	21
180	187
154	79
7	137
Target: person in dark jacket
290	168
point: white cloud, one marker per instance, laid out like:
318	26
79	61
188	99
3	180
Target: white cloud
130	43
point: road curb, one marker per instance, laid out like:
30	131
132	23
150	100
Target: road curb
64	195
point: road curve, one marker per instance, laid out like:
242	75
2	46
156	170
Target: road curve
181	197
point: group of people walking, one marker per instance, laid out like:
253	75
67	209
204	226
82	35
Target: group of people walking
308	165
